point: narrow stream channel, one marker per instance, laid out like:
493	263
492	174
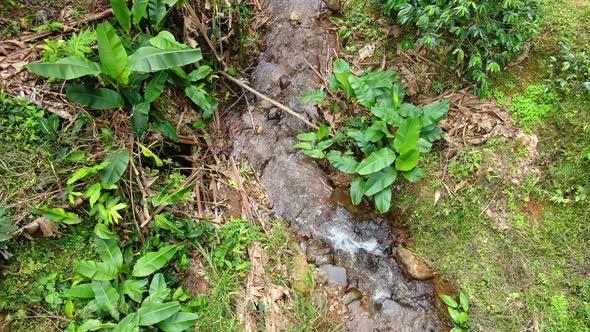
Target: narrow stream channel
298	188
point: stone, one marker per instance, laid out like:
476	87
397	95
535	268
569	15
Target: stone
295	18
321	277
332	4
265	104
351	295
414	267
319	253
336	275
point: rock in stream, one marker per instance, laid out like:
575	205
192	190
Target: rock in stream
298	188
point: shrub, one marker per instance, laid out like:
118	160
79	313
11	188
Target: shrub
477	38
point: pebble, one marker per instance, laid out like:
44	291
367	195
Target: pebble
351	295
336	275
413	265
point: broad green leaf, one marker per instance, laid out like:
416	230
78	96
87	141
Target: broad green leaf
317	154
200	73
69	308
122	13
324	144
66	68
363	93
373	134
157	11
60	215
159	291
449	301
118	162
431	133
316	96
93	325
407	135
357	190
463	318
302	145
380	180
151	59
161	125
154	88
85	172
387	114
96	270
198	97
167	196
311	136
140	118
162	222
409	110
376	161
109	251
128	324
106	297
139	10
407	161
148	153
342	72
180	321
379	79
414	175
103	232
423	145
113	56
134	289
95	98
383	200
435	112
83	291
154	313
464	302
155	260
323	132
346	164
454	314
165	40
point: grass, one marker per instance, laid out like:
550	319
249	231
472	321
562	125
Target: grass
527	266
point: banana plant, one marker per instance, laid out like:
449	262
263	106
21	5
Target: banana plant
157	61
378	147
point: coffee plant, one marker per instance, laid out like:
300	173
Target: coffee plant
376	147
477	37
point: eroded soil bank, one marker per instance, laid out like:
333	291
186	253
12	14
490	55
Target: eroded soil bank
299	190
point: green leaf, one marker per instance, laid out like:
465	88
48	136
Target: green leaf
376	161
454	315
342	72
139	10
407	135
169	197
83	291
162	222
198	97
409	110
357	190
159	291
180	321
200	73
311	136
302	145
118	162
317	154
93	325
140	118
85	172
106	297
128	324
66	68
60	215
435	112
316	96
148	153
463	318
157	11
380	180
154	88
134	289
346	164
387	114
414	175
110	252
379	79
464	302
166	40
69	308
150	59
95	270
154	313
113	56
383	200
161	125
449	301
363	93
122	13
95	98
407	161
323	132
103	232
153	261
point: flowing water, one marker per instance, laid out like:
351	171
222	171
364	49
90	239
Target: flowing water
299	189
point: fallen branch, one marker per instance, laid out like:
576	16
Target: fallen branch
270	100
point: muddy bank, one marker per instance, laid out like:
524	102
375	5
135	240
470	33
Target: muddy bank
299	189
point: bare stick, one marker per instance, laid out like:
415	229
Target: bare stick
272	101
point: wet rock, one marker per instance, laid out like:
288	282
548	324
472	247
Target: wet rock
321	277
352	295
332	4
336	275
413	265
319	253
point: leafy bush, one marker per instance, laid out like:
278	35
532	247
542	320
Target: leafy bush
574	64
479	37
531	106
389	141
458	312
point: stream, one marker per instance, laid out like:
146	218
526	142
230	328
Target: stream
299	189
